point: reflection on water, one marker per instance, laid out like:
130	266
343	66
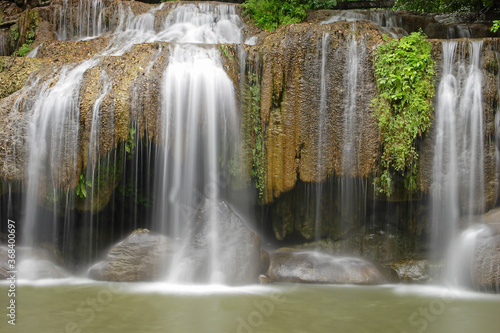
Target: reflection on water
85	306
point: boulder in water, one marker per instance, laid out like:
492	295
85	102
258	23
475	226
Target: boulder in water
142	256
317	267
222	249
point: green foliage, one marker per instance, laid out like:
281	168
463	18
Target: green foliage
442	6
24	50
81	187
404	71
14	33
496	26
258	166
270	14
225	50
130	190
130	145
30	34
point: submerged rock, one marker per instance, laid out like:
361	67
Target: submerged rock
142	256
226	238
411	270
316	267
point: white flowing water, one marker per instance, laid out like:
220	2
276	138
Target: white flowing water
198	119
52	145
458	177
199	98
386	19
461	257
322	121
86	21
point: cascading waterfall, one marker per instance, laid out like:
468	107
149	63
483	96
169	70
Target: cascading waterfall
352	190
458	176
322	120
52	148
386	19
86	21
198	121
198	97
95	163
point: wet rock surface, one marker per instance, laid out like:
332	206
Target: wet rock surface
32	264
486	264
316	267
411	270
143	256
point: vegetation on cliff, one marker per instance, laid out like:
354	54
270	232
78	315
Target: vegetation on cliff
442	6
270	14
404	71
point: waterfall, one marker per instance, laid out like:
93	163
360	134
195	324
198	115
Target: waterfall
322	121
386	19
461	257
199	126
52	148
458	176
86	21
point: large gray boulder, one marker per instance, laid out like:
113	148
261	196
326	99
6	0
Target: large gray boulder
486	265
221	247
142	256
317	267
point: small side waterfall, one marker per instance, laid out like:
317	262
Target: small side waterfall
458	177
322	122
52	147
86	21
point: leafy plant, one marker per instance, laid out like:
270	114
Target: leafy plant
81	187
496	26
24	50
130	145
404	71
442	6
270	14
225	50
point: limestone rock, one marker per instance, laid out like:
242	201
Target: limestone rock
411	270
142	256
316	267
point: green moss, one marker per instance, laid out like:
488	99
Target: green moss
258	158
404	71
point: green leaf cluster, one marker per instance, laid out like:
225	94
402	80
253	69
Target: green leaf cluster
404	71
130	144
442	6
270	14
495	26
81	187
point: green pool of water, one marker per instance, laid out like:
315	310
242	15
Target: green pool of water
85	306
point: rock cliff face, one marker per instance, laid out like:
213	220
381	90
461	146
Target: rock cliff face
304	104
